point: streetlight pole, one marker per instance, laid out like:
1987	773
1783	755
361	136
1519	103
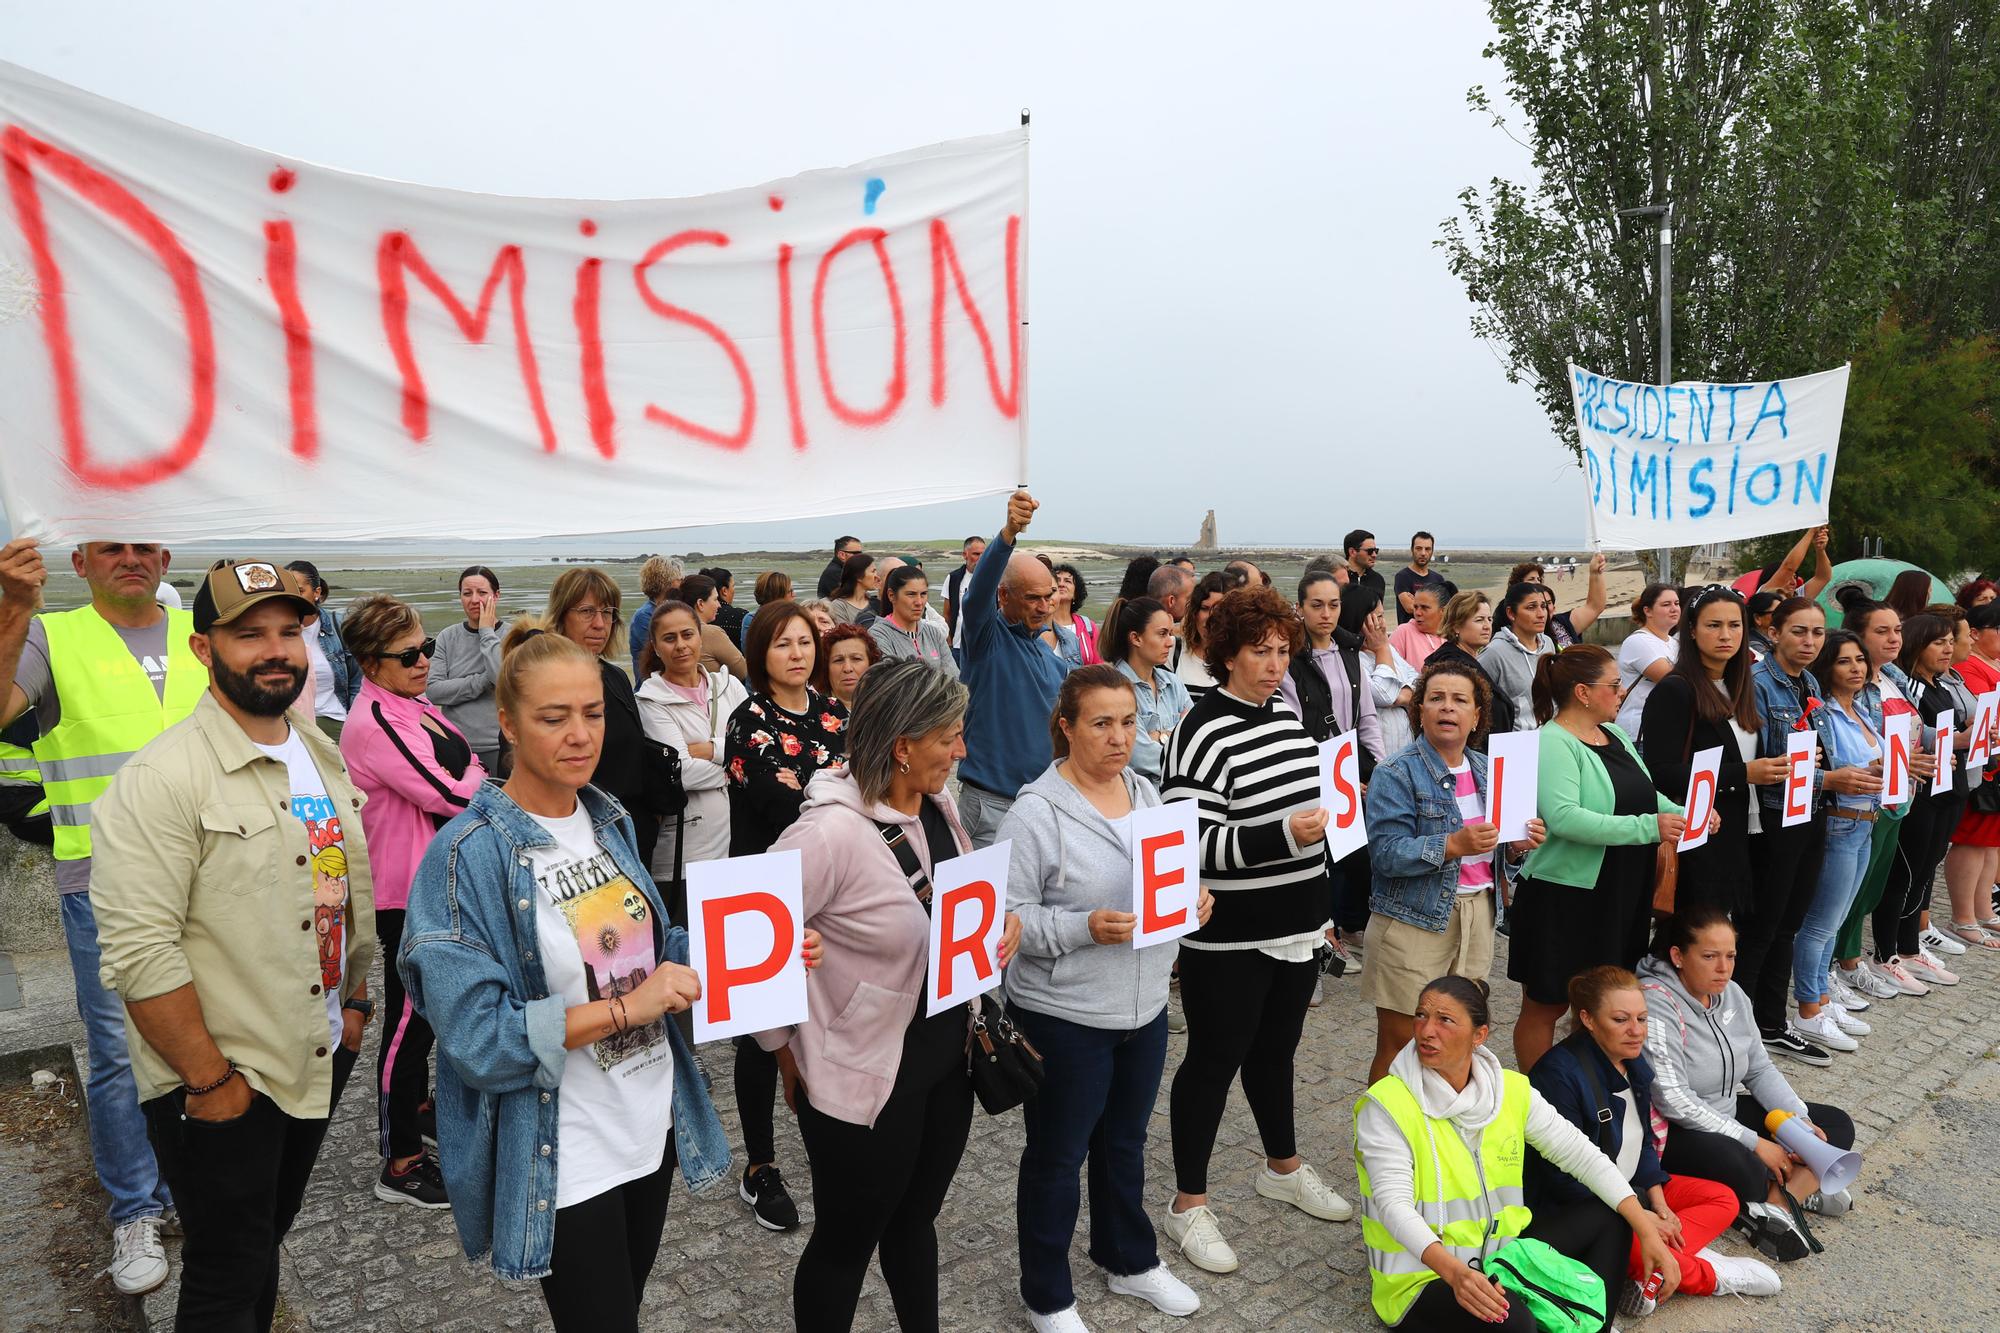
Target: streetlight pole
1664	212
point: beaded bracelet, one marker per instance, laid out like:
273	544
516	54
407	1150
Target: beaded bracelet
204	1091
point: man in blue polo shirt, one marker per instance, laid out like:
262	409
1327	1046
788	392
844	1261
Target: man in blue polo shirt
1014	677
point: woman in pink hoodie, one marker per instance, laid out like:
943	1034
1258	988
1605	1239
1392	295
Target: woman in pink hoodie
882	1093
416	772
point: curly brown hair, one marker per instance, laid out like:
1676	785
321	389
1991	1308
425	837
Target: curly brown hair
822	676
1244	618
1482	696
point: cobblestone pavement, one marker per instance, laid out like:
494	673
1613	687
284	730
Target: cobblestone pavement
355	1265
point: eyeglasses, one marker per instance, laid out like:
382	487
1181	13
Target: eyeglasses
594	612
1371	550
408	657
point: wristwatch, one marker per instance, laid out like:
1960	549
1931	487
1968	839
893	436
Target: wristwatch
361	1005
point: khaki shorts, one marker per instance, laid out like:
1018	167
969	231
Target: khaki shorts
1401	959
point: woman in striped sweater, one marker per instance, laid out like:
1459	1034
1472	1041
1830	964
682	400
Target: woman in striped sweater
1246	976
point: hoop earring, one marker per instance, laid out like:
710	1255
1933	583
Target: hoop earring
902	768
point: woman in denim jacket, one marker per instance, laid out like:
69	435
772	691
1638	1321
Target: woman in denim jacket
537	947
1784	862
1432	855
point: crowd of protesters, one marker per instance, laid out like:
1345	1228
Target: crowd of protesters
505	814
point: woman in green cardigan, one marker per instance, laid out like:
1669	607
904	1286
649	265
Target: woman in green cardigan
1585	895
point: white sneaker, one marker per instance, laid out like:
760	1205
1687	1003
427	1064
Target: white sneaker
1849	1023
1895	975
1318	995
1841	986
1822	1028
1928	968
1871	980
1062	1321
1742	1277
1939	942
1159	1288
138	1259
1200	1239
1304	1190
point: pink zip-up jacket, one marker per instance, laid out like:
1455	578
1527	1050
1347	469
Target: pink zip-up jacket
392	758
876	946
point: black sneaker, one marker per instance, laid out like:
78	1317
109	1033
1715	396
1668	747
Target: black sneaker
1771	1232
422	1184
764	1191
427	1123
1791	1043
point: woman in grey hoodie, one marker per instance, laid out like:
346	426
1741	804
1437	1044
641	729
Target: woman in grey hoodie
1703	1043
1094	1006
1509	661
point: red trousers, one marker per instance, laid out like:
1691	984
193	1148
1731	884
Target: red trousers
1705	1208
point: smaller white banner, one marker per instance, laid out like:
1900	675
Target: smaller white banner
1166	872
1703	775
968	895
1984	716
1942	740
746	927
1513	777
1801	753
1340	794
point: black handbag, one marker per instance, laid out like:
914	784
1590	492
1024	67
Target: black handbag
1005	1067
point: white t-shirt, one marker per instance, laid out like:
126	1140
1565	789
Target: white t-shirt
596	934
1629	1142
1746	746
328	850
326	701
1635	655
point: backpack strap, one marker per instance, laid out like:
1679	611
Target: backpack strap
906	857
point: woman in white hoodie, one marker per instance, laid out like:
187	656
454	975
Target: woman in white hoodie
1425	1223
687	707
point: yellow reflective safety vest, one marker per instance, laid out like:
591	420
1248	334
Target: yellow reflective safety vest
109	711
18	768
1473	1204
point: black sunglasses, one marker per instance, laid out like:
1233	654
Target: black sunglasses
408	657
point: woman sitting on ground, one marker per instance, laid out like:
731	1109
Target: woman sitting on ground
1442	1136
1702	1042
1599	1079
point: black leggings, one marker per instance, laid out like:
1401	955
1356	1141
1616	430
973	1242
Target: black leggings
756	1097
1920	849
604	1252
1245	1010
1587	1232
1717	1157
880	1189
403	1060
1786	862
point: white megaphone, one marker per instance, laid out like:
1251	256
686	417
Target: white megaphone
1837	1168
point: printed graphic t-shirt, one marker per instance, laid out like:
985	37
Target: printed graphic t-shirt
314	808
596	933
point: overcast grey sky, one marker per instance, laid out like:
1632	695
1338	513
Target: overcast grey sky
1235	298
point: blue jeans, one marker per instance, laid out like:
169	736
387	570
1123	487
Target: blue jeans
1841	871
118	1144
1095	1101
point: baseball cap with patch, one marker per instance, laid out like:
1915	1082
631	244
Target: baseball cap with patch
234	586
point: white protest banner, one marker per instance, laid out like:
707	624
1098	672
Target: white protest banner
212	342
746	927
968	916
1340	793
1166	872
1704	773
1801	754
1941	742
1985	716
1513	777
1683	464
1897	788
